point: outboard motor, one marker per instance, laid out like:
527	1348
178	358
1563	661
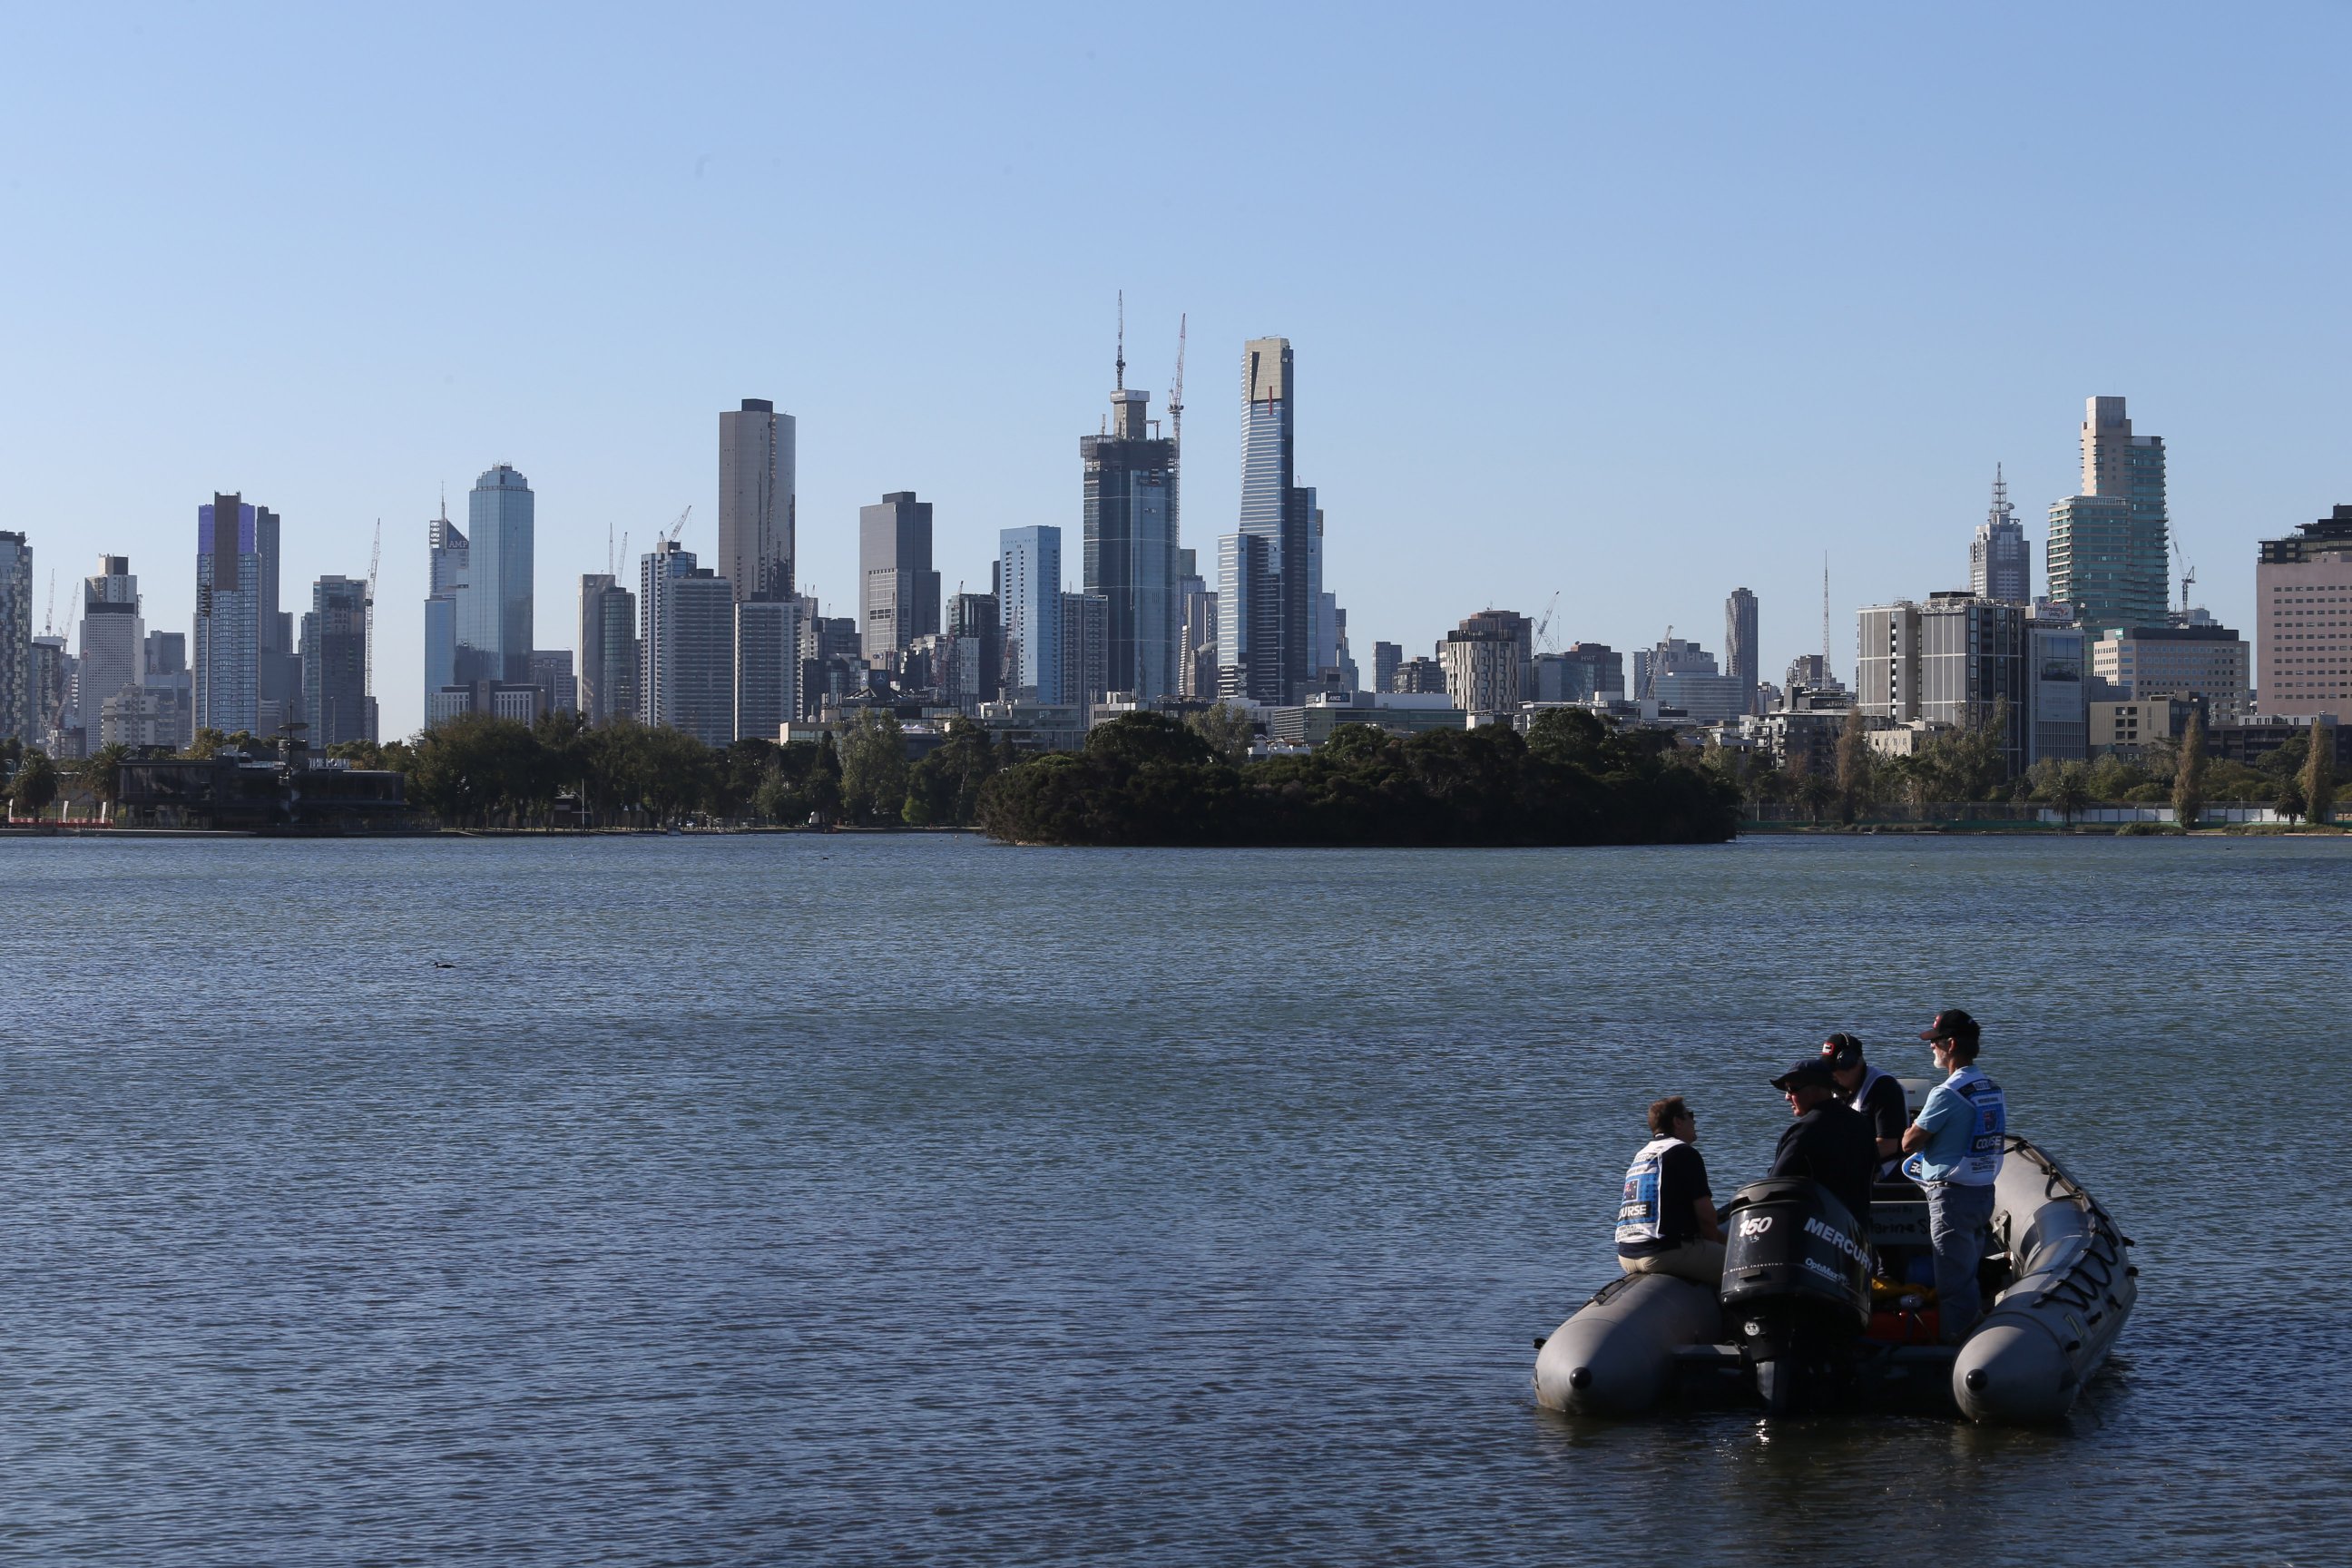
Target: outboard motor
1796	1284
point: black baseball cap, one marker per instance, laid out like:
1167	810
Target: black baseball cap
1951	1023
1841	1050
1812	1071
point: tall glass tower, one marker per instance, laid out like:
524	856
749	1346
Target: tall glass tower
2001	563
2110	547
758	514
226	660
1029	576
494	613
1131	544
1274	510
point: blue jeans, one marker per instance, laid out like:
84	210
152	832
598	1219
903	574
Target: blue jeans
1958	1220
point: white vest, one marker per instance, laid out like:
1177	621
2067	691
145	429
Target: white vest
1637	1212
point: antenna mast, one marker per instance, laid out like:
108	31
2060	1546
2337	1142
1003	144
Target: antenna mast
375	559
1825	614
1176	393
1121	384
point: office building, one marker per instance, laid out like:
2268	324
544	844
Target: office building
1950	661
972	617
2058	690
2000	563
2208	662
1586	670
1029	576
1386	656
1742	661
758	513
1130	547
1703	697
1486	661
2110	546
494	613
1196	631
687	637
901	592
2302	620
1671	656
767	667
1420	677
334	664
1086	648
445	559
114	638
52	677
608	649
16	637
1267	593
1811	672
164	676
227	657
551	671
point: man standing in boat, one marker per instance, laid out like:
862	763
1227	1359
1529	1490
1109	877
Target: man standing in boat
1875	1094
1665	1222
1826	1143
1956	1152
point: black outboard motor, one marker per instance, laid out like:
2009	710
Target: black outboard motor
1796	1285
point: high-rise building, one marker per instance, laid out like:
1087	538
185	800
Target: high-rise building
689	643
1672	655
2203	661
551	671
494	613
278	672
2000	563
1587	670
334	663
1268	596
758	513
1029	576
171	690
445	559
1086	641
608	649
2302	620
974	616
1386	656
16	637
1487	661
1130	546
2057	692
114	638
767	667
1742	661
1811	672
1952	660
901	591
2110	546
226	663
53	683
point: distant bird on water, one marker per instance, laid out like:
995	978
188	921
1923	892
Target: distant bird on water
443	963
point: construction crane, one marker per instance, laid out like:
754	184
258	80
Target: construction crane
49	615
2188	581
1176	392
1543	624
375	560
676	530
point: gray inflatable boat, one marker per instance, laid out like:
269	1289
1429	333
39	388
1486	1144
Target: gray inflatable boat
2060	1291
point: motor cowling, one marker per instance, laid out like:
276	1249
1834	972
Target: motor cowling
1787	1243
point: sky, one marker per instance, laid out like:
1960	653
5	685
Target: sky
1627	305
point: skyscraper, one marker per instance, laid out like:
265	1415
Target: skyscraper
278	668
688	642
2303	619
114	638
334	664
975	615
1266	627
494	613
1739	656
1130	546
1029	572
1386	656
1952	660
227	656
767	667
2110	546
901	592
758	513
445	559
1086	641
608	649
16	637
2001	563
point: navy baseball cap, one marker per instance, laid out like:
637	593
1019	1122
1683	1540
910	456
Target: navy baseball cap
1951	1023
1812	1071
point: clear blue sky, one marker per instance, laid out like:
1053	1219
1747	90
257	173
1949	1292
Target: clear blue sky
1634	304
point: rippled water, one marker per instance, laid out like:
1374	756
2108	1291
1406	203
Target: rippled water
856	1199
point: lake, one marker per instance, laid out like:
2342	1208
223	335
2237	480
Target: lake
860	1199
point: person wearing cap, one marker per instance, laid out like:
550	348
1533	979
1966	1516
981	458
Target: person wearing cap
1877	1095
1827	1141
1665	1222
1956	1152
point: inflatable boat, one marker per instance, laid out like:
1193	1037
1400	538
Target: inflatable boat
1800	1321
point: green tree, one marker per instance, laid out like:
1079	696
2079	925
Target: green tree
1853	765
825	782
943	790
2289	799
873	768
100	774
35	786
2070	790
1228	730
2189	774
2319	774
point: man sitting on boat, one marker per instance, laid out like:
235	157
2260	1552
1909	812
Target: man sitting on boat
1956	1152
1877	1095
1827	1141
1665	1222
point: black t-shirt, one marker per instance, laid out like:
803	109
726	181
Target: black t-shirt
1681	1182
1832	1145
1883	1107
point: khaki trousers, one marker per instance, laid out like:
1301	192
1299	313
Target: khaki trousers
1700	1262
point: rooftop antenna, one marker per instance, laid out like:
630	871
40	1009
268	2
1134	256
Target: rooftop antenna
1122	341
49	615
375	560
1825	614
1176	393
